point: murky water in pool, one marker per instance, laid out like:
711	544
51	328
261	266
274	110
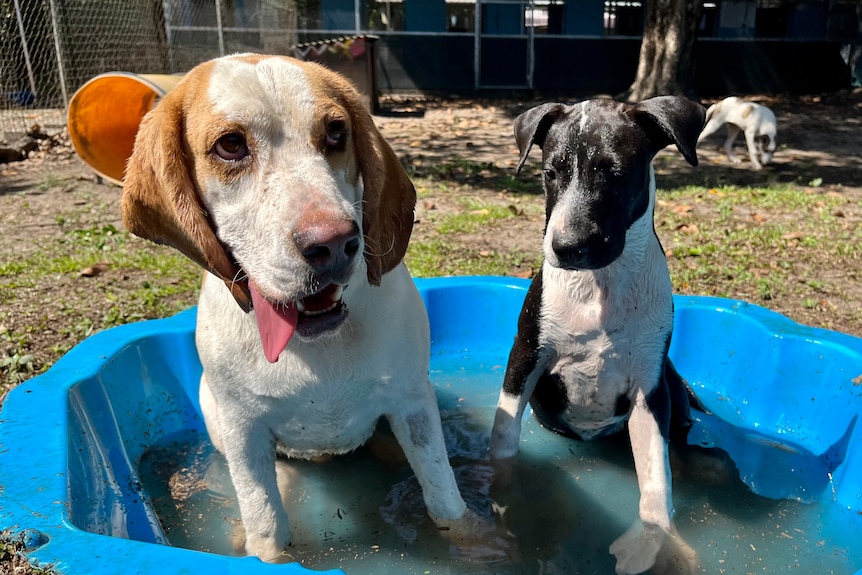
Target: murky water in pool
565	503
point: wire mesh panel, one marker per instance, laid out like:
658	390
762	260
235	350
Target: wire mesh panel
49	48
201	29
28	63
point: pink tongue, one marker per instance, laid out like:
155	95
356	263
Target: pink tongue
276	326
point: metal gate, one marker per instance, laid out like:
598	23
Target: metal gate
504	44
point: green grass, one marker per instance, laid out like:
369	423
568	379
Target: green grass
757	242
437	258
438	255
763	244
45	286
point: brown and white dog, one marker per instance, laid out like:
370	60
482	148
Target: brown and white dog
269	173
757	122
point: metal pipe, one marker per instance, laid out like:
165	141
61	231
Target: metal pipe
477	47
356	19
220	28
61	70
26	50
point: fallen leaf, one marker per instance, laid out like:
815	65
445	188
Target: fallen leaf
793	236
758	217
526	273
687	228
516	210
95	270
681	209
429	205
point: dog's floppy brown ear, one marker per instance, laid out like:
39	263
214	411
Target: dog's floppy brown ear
389	197
672	120
160	202
531	127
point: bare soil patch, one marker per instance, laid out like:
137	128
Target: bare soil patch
467	144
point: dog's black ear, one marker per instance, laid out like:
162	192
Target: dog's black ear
532	126
672	120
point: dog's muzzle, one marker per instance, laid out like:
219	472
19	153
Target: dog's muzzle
574	252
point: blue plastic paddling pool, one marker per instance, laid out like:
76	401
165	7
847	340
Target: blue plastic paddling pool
105	466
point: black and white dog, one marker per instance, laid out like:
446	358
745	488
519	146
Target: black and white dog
590	354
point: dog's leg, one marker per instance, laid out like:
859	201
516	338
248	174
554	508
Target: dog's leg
753	154
251	461
732	132
420	435
473	537
711	127
522	372
209	409
649	423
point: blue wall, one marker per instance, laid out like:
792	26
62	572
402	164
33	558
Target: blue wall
444	65
425	15
338	14
584	18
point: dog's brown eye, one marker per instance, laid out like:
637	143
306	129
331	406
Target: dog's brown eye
231	147
334	133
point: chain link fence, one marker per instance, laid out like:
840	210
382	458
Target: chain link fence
49	48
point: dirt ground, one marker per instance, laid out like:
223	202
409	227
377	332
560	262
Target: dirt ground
467	143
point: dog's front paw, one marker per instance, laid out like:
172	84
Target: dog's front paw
478	539
268	549
676	558
637	548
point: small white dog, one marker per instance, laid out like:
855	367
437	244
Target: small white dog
757	122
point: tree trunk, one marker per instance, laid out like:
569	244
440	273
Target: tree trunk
666	64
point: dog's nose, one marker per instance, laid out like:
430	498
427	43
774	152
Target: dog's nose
328	245
589	251
569	249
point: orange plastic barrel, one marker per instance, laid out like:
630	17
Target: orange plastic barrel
104	115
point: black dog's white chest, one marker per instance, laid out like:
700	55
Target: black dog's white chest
601	345
594	391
